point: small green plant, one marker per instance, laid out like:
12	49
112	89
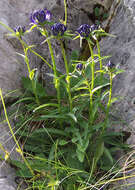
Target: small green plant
65	138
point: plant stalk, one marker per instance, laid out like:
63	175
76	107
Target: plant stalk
18	146
65	6
56	79
68	76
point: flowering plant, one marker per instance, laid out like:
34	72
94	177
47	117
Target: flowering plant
71	124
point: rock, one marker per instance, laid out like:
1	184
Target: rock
7	177
122	50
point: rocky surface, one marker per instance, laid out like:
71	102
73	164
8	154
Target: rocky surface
122	49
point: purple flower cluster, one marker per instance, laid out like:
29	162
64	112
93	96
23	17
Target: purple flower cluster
43	16
58	29
84	30
20	29
79	66
110	65
94	27
40	16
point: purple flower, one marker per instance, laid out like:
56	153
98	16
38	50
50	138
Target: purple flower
84	30
20	29
79	66
58	29
94	27
110	65
40	16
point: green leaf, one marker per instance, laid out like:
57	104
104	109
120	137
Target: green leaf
53	183
18	164
99	152
23	100
27	83
25	173
78	85
105	15
99	87
72	116
52	152
97	12
108	154
80	95
49	130
74	140
46	105
40	90
80	155
63	142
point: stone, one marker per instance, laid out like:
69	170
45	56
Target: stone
122	50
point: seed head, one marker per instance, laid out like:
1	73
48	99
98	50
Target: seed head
58	29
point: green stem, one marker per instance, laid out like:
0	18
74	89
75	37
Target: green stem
35	92
108	104
91	99
18	146
29	71
99	54
68	76
100	62
92	81
30	48
65	5
56	79
110	94
92	66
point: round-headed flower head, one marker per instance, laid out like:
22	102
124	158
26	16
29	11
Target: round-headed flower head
79	66
20	30
110	65
84	30
40	16
58	29
94	27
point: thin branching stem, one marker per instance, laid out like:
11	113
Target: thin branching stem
65	6
68	76
56	79
25	49
110	94
13	135
92	64
109	102
100	63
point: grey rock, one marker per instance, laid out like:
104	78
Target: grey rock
122	50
